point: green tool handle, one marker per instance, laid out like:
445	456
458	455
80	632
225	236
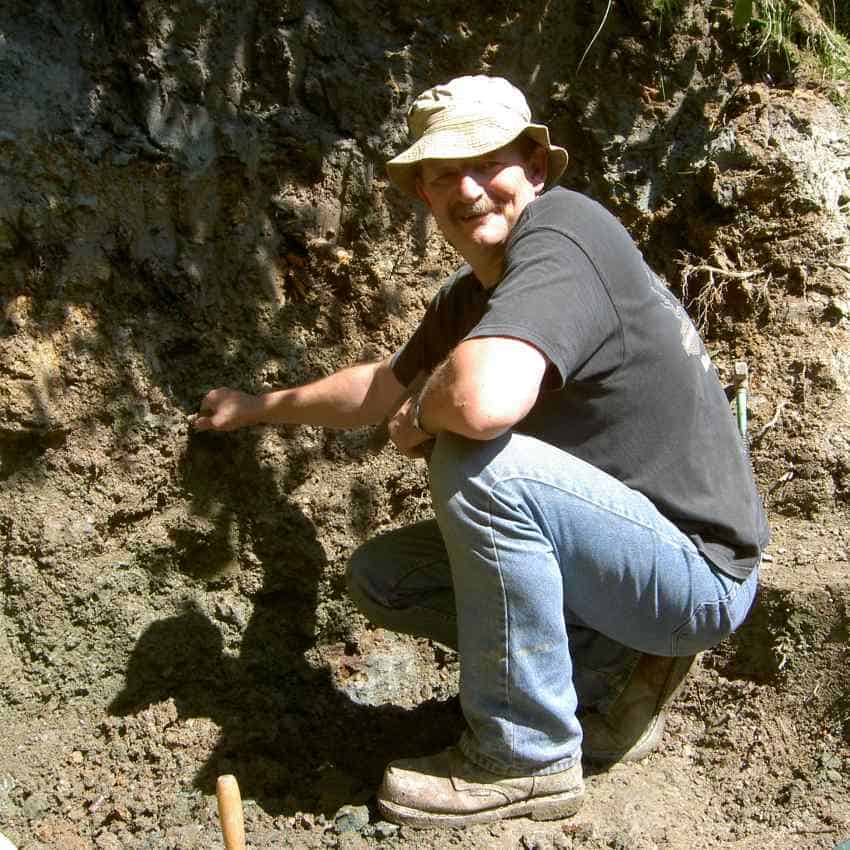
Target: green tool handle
741	409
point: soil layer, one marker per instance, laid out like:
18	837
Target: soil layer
193	195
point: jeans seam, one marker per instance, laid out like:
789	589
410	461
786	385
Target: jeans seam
602	507
424	608
507	642
413	571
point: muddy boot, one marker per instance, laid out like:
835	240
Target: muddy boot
631	728
449	790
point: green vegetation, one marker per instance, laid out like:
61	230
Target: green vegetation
665	10
831	46
837	13
793	31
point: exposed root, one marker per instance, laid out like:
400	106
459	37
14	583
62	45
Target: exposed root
712	293
768	425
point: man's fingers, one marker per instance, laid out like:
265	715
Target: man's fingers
208	411
407	440
210	401
224	409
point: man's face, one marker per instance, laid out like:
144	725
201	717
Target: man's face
477	201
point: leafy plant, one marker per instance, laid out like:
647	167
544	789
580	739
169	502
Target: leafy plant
832	48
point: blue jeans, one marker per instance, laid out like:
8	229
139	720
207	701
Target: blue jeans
541	558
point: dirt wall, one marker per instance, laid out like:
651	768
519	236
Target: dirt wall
193	194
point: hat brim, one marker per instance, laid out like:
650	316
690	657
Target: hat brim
467	140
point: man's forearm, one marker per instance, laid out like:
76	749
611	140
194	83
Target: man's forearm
359	395
354	397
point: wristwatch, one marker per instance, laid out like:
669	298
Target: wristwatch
417	423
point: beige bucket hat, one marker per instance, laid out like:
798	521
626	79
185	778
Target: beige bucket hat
467	117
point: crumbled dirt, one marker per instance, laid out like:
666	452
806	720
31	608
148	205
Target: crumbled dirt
192	195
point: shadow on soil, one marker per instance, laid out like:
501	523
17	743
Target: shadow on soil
781	629
761	650
294	741
787	642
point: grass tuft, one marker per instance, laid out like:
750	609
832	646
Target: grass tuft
794	32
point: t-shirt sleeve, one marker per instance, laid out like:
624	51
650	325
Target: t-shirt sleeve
452	312
551	296
409	360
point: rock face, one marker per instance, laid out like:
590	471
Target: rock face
192	194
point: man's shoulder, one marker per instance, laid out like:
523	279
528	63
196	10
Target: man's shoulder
576	218
558	202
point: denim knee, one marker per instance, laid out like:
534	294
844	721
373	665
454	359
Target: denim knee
458	464
376	587
359	579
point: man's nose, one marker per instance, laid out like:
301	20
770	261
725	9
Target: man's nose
470	185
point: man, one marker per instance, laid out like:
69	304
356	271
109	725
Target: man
596	520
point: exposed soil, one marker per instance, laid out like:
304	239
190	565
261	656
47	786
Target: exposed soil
756	753
192	195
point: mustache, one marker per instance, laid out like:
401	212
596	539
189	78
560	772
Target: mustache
481	207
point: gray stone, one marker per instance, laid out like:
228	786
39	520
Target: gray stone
383	675
35	805
384	829
351	819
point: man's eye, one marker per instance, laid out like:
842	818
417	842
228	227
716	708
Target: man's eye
443	179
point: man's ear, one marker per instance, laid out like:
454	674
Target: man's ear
537	168
420	190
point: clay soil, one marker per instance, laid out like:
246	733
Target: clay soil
192	195
755	754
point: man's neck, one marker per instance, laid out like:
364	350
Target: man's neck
487	268
488	278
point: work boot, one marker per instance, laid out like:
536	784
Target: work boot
449	790
631	728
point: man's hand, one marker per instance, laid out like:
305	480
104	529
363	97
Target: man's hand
409	440
224	409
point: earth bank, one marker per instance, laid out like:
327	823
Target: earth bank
193	195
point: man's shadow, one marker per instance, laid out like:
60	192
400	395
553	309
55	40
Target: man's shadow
293	739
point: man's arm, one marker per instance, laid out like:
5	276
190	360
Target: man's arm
364	394
483	388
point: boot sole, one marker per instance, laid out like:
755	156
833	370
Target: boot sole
552	807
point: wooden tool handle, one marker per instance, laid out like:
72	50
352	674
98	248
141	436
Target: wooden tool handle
230	812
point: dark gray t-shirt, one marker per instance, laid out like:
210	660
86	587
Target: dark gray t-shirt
629	389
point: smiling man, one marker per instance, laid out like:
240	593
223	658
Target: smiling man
596	522
477	202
